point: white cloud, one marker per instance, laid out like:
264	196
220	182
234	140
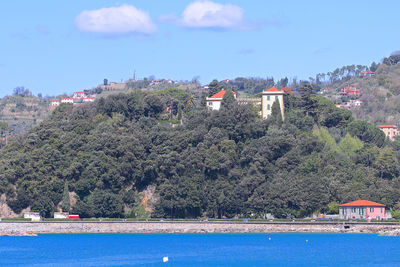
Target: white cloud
207	14
125	19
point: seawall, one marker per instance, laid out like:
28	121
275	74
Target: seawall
29	228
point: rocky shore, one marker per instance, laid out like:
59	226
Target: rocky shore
33	228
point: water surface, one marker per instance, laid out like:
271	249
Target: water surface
200	250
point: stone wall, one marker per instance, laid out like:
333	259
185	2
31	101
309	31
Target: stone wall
26	228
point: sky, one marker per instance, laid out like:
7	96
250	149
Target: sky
54	47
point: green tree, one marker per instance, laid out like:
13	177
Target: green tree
387	164
276	114
214	87
349	145
228	100
65	199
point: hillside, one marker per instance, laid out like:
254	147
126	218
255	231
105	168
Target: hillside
380	94
23	112
114	159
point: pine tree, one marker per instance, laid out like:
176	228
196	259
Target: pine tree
65	200
276	113
228	99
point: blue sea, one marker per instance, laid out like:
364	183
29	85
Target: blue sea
200	250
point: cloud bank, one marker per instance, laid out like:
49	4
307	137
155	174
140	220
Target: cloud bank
122	20
207	14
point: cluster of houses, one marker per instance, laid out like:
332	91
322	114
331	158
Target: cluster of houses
350	91
264	103
76	99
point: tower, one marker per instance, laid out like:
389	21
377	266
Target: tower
268	98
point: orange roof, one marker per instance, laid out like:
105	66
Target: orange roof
387	126
362	203
273	89
287	90
221	94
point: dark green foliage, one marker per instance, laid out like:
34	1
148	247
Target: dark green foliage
222	164
65	199
44	206
228	100
276	113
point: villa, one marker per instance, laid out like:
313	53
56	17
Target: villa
362	209
214	102
390	131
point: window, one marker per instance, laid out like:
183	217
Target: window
268	98
210	103
371	209
343	211
276	97
268	115
269	107
381	210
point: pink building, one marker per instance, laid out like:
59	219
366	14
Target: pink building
362	209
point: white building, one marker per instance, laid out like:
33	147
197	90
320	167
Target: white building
61	215
34	216
67	100
214	102
88	99
55	103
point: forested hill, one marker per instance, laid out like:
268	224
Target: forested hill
380	93
226	163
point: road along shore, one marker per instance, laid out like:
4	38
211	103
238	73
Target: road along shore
32	228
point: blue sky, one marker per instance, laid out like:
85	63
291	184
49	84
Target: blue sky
56	47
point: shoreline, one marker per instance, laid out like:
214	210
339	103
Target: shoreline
64	227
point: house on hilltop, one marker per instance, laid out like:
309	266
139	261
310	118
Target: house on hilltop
390	131
265	103
79	94
362	209
268	99
214	102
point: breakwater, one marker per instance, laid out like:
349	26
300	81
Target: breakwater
29	228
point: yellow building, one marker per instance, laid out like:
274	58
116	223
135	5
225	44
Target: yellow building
390	131
268	98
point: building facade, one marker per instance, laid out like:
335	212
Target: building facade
79	94
362	209
390	131
214	102
67	100
268	99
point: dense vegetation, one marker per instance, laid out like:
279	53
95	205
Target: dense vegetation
226	163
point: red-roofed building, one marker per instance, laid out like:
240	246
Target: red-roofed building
287	90
79	94
67	100
390	131
214	101
362	209
268	98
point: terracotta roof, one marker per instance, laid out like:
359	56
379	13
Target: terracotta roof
273	89
362	203
287	90
79	92
387	126
221	94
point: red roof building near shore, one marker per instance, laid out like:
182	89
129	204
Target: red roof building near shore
362	209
